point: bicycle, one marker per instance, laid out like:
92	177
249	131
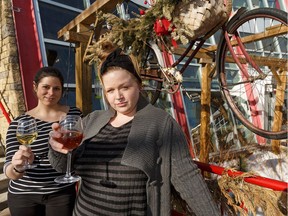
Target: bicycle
256	72
250	67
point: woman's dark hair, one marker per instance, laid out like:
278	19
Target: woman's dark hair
48	72
112	56
118	59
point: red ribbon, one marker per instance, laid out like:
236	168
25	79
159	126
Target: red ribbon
161	27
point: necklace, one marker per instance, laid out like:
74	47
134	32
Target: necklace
106	182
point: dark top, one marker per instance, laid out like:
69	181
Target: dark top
115	189
157	146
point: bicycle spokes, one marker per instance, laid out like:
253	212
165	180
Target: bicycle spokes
252	65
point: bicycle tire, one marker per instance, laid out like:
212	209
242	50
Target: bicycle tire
151	74
264	99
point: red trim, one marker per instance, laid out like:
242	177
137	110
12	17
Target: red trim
5	113
180	115
30	59
252	100
178	106
257	180
285	5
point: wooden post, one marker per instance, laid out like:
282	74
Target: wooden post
278	114
83	77
205	113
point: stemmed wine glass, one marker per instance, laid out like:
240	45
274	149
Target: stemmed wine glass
26	134
71	128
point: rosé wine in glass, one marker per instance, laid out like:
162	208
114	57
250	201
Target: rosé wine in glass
70	139
71	128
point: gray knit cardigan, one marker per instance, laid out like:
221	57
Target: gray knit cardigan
158	147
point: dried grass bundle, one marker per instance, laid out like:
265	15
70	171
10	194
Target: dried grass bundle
246	198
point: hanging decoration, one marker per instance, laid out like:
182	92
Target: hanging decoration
171	21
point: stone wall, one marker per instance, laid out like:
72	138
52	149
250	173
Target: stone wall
11	93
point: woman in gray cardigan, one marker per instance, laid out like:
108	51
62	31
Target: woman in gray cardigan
132	154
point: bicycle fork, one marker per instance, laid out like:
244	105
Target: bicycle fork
247	57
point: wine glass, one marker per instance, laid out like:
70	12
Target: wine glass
26	134
71	128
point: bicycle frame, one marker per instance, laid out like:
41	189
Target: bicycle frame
203	39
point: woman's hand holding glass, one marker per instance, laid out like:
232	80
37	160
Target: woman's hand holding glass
66	136
55	134
26	134
22	157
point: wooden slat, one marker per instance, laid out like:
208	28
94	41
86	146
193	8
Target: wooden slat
262	61
88	16
74	37
270	32
199	54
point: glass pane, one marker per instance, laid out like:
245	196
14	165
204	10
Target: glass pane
53	19
190	77
134	9
92	1
69	97
193	110
73	3
164	103
97	96
59	57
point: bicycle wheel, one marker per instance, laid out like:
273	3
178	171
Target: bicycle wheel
150	69
253	70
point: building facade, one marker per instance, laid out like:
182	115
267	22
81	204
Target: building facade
29	40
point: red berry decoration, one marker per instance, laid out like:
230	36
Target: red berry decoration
142	12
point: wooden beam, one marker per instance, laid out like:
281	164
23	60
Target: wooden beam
83	77
262	61
278	112
75	37
205	113
200	54
84	29
88	16
269	32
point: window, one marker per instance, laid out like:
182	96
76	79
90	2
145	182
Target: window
54	18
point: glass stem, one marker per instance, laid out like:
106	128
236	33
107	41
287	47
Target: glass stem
68	169
27	162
